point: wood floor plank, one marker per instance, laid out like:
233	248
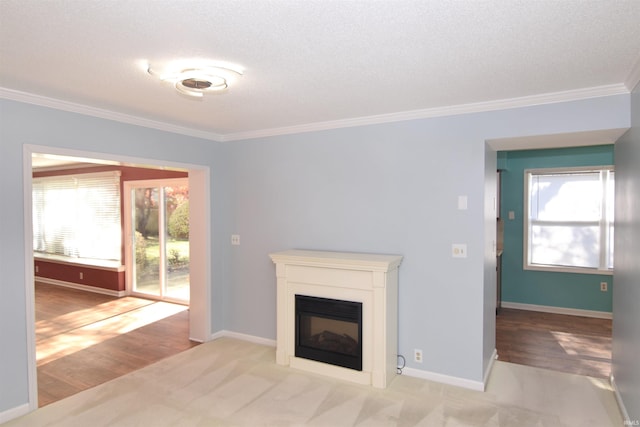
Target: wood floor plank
86	339
572	344
74	319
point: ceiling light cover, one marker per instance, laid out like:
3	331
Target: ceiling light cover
195	81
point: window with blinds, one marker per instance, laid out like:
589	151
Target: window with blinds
78	215
569	223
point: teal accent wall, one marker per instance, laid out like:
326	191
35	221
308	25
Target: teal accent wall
565	290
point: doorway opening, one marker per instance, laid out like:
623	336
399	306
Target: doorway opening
536	324
198	316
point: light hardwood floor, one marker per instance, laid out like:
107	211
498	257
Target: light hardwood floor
571	344
84	339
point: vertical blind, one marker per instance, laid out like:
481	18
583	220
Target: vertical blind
78	215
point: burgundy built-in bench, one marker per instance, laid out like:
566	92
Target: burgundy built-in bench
92	275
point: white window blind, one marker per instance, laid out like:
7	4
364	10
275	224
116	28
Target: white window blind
78	215
569	224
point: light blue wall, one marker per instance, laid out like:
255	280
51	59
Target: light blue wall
392	189
626	298
28	124
377	189
389	188
566	290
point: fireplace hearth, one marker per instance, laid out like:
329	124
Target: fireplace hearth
329	331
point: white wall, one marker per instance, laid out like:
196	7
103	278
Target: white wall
490	230
389	188
626	294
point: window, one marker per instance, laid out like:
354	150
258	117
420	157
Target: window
78	216
569	219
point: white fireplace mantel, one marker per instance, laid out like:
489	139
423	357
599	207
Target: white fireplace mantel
371	279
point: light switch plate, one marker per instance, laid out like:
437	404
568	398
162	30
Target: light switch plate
462	203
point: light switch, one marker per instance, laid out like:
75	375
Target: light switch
512	215
235	239
462	203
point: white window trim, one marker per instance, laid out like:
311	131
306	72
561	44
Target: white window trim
526	225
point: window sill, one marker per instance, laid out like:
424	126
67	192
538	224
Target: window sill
577	270
93	263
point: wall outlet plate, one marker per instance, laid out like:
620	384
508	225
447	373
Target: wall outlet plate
235	239
459	250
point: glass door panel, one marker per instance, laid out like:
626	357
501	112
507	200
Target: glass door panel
177	242
160	241
146	242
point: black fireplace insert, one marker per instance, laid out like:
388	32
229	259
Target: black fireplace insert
329	331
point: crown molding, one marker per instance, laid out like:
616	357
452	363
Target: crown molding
477	107
86	110
633	79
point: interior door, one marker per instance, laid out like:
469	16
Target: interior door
157	252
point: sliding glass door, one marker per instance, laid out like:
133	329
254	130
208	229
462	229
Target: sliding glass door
158	238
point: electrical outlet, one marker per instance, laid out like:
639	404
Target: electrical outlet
417	355
235	239
459	250
81	275
603	286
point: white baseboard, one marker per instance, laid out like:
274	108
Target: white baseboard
558	310
616	392
417	373
81	287
455	381
445	379
244	337
12	413
492	361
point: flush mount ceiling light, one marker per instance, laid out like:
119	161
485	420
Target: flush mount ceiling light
197	80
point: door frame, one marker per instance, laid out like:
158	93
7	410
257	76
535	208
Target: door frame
129	231
199	243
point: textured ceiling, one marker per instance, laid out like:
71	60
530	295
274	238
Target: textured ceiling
314	62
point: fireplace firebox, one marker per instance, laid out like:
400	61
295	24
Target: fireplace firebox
329	331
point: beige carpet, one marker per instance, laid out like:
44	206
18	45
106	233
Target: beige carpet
229	382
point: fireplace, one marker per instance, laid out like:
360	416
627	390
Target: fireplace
337	314
329	331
